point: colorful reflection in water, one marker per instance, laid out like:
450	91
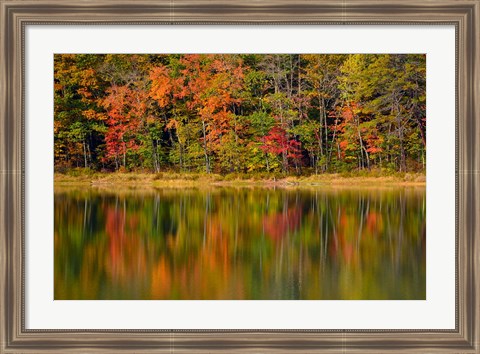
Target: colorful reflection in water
240	243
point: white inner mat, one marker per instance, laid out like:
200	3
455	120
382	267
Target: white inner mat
437	312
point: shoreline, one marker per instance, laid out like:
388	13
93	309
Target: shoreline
173	180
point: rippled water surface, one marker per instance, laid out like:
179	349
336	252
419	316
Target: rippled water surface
240	243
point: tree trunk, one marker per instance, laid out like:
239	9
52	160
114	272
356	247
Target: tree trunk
89	152
320	131
326	130
422	134
207	161
403	163
181	155
85	153
155	157
329	158
363	150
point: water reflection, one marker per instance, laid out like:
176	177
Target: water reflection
240	243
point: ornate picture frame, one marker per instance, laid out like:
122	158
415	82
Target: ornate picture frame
17	14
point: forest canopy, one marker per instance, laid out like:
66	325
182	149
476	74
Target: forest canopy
243	113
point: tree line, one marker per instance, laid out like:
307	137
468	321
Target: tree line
243	113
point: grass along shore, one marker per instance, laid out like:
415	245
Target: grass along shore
172	179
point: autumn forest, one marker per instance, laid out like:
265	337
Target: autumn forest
292	114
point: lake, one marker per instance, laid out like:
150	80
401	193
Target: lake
246	243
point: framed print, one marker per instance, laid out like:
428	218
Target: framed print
205	176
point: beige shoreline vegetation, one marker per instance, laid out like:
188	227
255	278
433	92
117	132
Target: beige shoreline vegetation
198	180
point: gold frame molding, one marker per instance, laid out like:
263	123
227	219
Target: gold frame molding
15	15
